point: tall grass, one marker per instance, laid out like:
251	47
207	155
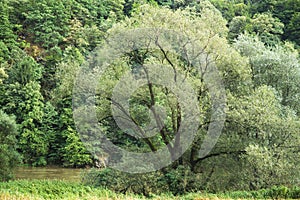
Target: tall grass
62	190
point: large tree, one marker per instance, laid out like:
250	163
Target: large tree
197	41
201	34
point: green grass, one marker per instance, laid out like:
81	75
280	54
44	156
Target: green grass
53	189
63	190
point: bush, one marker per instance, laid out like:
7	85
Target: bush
9	157
121	182
280	192
173	182
176	181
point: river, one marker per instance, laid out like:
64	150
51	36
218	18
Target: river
53	172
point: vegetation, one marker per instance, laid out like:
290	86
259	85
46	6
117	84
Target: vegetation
9	156
45	189
261	134
253	45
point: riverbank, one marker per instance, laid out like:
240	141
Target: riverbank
65	190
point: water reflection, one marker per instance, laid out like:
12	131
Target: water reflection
48	173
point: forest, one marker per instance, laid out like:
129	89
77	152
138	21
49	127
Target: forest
188	95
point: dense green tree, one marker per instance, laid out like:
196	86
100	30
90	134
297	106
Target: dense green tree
92	12
293	28
7	39
70	149
74	152
287	11
237	26
6	34
26	102
231	9
258	6
267	27
47	22
20	95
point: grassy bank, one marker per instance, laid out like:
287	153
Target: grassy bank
61	190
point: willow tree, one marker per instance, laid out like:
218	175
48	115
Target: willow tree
153	97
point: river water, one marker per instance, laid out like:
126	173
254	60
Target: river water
53	172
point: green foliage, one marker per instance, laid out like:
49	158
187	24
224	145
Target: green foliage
268	166
175	181
268	133
68	145
5	54
179	181
49	125
24	69
21	96
263	6
275	192
47	22
74	152
32	141
66	72
6	34
231	9
91	12
258	115
286	11
122	182
267	27
9	157
274	66
169	20
237	26
84	37
292	30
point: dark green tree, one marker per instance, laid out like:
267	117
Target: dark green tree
269	28
46	22
286	11
21	96
293	29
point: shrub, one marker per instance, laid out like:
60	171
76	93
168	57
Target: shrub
9	157
176	181
124	182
